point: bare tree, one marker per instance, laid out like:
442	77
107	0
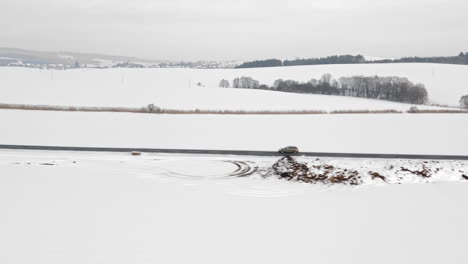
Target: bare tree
224	84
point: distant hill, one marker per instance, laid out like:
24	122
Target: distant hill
65	59
70	59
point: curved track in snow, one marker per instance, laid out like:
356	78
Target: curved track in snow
236	169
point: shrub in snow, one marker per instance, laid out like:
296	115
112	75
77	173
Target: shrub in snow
413	109
464	102
152	108
224	84
245	82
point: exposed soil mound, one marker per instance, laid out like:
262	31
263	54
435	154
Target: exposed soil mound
292	170
376	175
425	172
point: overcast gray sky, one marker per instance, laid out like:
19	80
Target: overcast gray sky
237	29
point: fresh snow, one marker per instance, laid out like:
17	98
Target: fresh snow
178	89
93	207
360	133
116	208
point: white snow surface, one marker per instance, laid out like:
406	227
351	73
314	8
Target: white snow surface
368	133
177	88
117	208
375	58
69	207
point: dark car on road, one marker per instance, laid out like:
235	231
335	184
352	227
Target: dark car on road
289	150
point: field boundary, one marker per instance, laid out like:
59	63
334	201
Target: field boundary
144	110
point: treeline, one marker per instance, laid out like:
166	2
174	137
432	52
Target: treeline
261	64
395	89
462	58
342	59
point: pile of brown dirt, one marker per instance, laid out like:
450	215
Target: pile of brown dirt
290	169
425	172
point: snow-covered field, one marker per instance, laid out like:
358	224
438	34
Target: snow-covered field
61	207
370	133
177	88
68	207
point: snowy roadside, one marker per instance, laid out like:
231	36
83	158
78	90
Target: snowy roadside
322	172
431	134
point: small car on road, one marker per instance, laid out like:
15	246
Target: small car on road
289	150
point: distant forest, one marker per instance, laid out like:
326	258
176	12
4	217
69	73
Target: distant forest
462	59
395	89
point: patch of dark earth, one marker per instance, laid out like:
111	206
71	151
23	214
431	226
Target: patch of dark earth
290	169
42	164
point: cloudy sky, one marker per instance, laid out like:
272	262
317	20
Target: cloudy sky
237	30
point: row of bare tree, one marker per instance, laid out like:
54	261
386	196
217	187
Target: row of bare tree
396	89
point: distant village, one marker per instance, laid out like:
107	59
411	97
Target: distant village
107	65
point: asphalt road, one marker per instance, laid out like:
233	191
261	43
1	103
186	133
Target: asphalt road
239	152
